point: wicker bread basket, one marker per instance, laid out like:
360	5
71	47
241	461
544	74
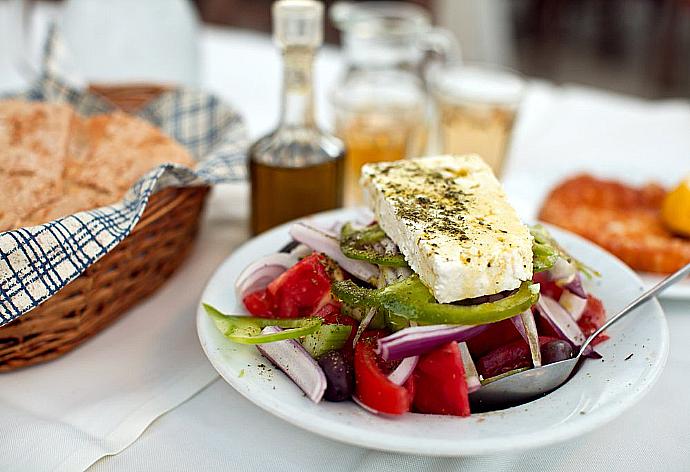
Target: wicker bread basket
134	269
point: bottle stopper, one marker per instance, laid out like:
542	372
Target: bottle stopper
298	23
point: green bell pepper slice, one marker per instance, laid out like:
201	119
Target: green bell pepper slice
359	245
247	329
543	257
329	337
547	251
409	300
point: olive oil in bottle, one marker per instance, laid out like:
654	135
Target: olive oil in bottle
297	169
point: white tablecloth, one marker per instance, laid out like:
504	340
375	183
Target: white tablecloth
561	130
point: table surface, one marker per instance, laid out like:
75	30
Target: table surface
561	130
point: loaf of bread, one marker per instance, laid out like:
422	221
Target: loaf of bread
54	162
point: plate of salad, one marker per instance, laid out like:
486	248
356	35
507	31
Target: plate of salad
375	328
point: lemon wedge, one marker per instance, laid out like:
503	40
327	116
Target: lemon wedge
675	211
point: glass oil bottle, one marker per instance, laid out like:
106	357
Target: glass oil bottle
297	169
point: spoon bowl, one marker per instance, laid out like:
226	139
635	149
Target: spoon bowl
523	386
530	384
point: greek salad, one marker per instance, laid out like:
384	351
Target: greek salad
349	314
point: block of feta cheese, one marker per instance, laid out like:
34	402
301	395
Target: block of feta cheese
451	219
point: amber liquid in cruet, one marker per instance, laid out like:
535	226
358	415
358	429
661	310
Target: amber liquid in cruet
281	194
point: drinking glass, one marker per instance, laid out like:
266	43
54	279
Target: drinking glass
381	116
476	109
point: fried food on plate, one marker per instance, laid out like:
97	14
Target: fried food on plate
624	220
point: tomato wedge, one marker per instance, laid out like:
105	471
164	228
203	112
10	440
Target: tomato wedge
372	386
593	318
440	385
260	303
297	292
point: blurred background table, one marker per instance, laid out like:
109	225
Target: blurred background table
560	130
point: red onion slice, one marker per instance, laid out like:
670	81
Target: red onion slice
420	339
300	251
566	275
560	320
257	275
564	324
401	373
524	323
290	357
575	287
471	374
329	244
574	304
562	271
363	325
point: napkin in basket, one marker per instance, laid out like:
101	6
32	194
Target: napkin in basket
36	262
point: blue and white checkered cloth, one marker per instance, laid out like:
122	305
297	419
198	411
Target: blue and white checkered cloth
37	262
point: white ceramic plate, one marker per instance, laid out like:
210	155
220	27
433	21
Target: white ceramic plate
679	291
599	392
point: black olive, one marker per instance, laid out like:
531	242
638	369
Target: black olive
339	376
556	350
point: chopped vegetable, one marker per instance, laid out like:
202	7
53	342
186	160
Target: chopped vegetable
556	350
290	357
560	320
303	288
260	303
471	374
411	300
328	337
364	324
593	317
547	286
248	329
440	384
562	325
543	256
339	376
328	243
543	241
260	273
565	275
574	304
493	336
401	373
562	272
525	324
575	286
370	244
417	340
511	356
374	389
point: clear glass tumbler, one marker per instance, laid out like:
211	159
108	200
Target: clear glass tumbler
381	116
476	109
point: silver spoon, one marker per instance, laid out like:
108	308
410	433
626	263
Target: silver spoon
527	385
